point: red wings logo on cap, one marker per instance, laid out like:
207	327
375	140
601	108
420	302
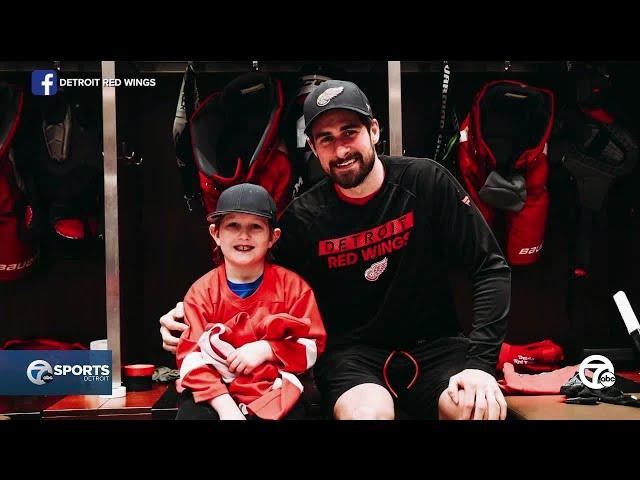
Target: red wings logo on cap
374	271
329	94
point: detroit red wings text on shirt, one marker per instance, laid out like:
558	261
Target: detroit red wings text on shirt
368	244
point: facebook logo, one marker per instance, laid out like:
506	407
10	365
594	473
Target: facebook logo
44	82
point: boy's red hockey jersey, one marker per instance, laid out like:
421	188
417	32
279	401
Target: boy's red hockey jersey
282	311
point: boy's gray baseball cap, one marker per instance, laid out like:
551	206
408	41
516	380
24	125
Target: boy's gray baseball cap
246	198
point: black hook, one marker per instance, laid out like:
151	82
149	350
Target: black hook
127	156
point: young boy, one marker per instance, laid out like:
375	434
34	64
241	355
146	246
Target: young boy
252	325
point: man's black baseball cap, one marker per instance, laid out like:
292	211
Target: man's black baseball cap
246	198
335	94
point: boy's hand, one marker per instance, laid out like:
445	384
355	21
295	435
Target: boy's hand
246	358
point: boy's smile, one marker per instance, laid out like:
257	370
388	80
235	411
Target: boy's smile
245	240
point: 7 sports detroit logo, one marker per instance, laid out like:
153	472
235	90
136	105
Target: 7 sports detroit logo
44	82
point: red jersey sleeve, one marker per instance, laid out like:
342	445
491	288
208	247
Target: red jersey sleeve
195	374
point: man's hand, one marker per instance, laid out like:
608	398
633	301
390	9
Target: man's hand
246	358
172	321
478	395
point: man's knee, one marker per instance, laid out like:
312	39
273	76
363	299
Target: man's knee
364	412
365	402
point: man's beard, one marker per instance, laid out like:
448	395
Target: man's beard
356	173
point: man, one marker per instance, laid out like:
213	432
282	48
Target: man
375	240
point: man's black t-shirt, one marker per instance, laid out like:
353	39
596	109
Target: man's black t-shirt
380	270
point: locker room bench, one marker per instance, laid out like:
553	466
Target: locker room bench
135	406
552	407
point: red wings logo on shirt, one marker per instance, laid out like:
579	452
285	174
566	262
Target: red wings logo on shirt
375	270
